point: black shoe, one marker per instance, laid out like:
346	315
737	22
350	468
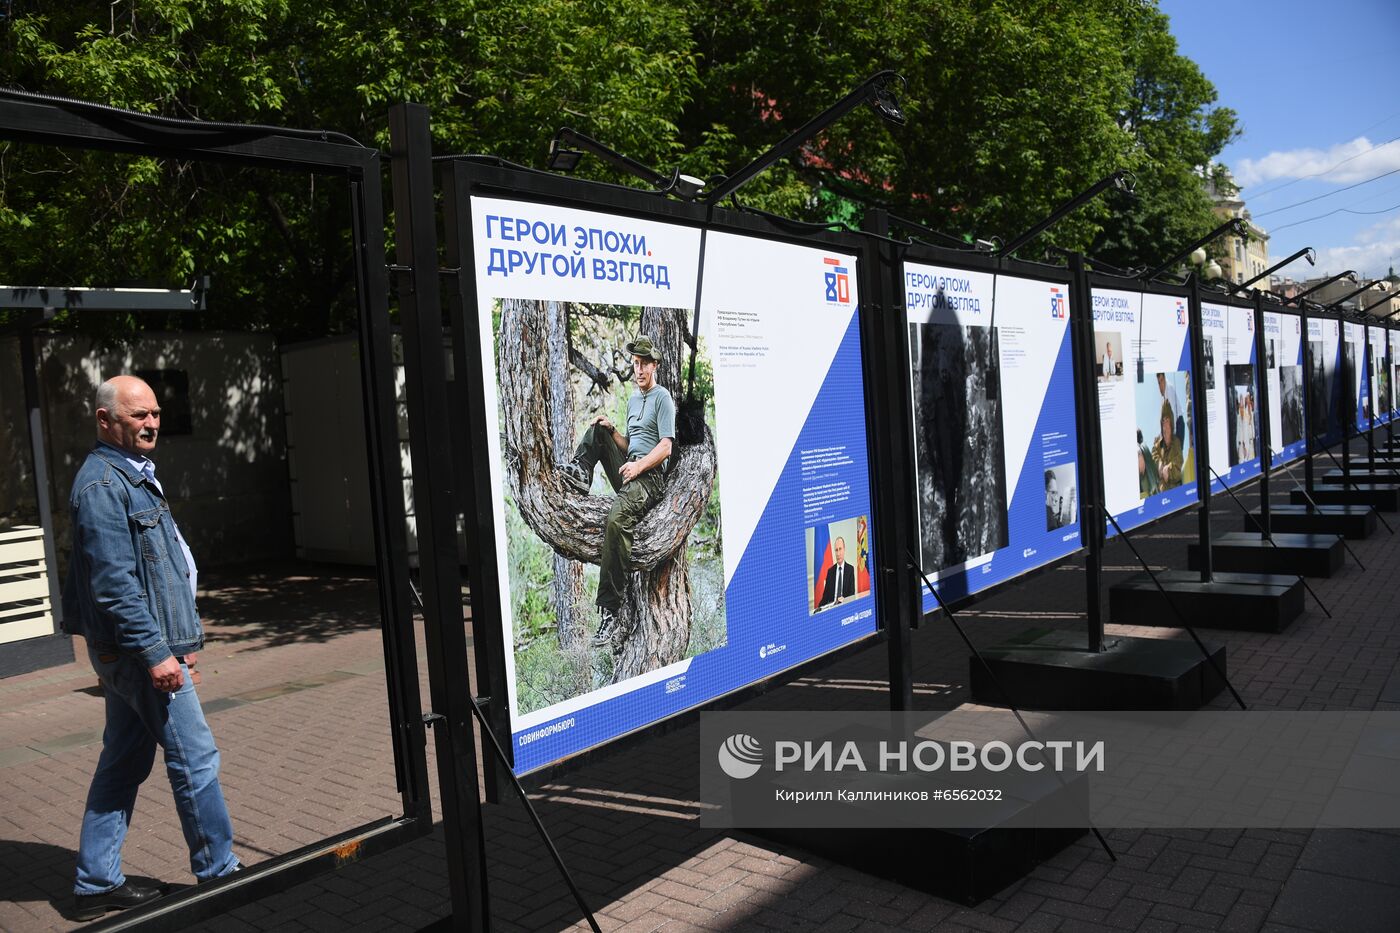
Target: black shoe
92	906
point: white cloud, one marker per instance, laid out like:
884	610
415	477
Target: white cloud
1371	254
1343	163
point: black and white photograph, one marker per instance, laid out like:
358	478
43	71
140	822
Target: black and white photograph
1208	362
961	463
1290	380
1269	353
1241	423
1350	380
1061	497
1319	391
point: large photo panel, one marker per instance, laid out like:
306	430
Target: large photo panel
1143	368
1358	399
994	426
1232	395
1393	364
1378	373
1283	366
662	478
1325	389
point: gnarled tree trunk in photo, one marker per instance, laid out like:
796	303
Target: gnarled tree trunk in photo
655	620
567	586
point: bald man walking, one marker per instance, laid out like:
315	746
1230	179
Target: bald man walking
130	593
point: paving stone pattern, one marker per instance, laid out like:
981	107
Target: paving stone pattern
294	686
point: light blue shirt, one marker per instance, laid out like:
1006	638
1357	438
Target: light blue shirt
147	467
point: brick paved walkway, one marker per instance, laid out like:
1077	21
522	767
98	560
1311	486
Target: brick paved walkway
295	689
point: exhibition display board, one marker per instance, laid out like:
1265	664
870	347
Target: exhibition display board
1283	366
1143	367
1230	369
1325	385
994	425
1357	399
1393	362
752	548
1378	373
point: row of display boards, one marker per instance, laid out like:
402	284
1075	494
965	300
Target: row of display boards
781	531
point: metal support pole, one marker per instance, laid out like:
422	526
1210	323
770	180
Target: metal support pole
430	430
1086	411
1308	389
1202	439
882	318
1348	405
474	480
34	419
1266	456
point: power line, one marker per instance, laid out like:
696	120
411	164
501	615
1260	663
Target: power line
1327	194
1268	191
1340	210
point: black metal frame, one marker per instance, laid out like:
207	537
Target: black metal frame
43	121
897	368
464	178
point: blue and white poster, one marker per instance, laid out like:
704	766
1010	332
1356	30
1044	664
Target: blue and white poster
1325	389
1143	365
682	502
994	426
1283	366
1232	398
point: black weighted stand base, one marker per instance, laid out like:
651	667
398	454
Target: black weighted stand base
1052	670
1305	554
1251	602
1363	476
963	865
1353	522
1384	497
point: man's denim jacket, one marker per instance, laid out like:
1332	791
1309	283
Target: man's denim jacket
128	585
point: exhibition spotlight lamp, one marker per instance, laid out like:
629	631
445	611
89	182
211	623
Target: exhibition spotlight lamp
1337	305
1306	252
877	91
1236	225
564	157
1394	294
1121	180
1349	275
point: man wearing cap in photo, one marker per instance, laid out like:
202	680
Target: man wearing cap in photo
635	464
1166	450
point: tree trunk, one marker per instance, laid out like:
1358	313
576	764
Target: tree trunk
653	628
567	585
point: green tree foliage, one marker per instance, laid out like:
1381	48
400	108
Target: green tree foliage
499	75
1013	106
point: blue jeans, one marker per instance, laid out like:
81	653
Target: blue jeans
138	717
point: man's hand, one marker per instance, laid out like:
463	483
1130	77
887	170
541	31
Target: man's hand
190	661
603	420
630	470
166	676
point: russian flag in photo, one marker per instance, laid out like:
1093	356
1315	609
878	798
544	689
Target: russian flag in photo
863	555
821	561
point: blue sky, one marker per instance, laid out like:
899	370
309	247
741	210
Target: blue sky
1317	89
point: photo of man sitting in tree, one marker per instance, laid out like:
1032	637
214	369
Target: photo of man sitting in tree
612	497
